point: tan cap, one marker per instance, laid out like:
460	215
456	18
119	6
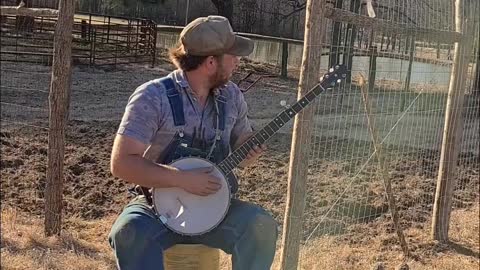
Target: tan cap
213	35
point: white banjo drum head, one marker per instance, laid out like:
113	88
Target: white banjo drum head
190	214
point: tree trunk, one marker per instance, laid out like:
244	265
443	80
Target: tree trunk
25	23
59	103
336	42
476	86
224	8
350	42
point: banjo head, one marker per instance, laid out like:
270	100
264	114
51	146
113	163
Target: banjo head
190	214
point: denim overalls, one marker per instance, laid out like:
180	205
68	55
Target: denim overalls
193	145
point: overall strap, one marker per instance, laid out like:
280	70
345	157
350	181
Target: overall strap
175	101
221	103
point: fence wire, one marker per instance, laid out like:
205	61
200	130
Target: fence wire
407	82
345	201
24	131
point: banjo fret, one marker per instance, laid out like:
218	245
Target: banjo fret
269	132
243	151
297	108
229	166
285	117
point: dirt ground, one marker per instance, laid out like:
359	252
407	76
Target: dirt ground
343	188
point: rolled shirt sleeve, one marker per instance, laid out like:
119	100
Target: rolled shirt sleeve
141	118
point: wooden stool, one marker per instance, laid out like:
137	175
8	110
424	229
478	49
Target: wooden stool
191	257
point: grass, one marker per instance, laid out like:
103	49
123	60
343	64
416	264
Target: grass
461	253
83	245
24	245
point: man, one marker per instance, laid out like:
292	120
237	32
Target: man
164	115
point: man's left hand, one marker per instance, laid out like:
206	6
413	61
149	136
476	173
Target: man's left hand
253	155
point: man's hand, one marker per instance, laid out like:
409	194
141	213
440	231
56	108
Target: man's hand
200	181
253	155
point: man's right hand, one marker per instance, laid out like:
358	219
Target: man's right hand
200	181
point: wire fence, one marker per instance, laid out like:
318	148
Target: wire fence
98	99
407	80
97	40
24	110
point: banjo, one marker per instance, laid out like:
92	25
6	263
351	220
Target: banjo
189	214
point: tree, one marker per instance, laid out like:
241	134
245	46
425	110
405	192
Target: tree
58	115
119	7
476	86
224	8
246	14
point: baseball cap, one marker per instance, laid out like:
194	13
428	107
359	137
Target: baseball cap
213	35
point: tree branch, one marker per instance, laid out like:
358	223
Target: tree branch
297	9
395	9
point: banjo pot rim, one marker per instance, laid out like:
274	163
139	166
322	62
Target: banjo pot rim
223	215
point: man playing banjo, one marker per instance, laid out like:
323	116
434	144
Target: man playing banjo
193	111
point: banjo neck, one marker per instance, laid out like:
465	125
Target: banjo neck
238	155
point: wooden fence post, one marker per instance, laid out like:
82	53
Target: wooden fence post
476	83
453	129
372	67
350	41
438	49
297	174
334	55
83	28
408	77
59	100
284	71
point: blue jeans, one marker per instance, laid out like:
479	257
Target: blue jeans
248	232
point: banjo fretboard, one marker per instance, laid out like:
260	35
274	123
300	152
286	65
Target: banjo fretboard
263	135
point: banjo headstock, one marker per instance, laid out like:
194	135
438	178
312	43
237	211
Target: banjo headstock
334	76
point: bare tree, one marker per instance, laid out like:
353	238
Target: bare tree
224	8
248	10
476	86
59	103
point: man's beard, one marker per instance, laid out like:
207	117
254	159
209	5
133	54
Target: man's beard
219	78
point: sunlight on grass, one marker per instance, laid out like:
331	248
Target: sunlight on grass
83	245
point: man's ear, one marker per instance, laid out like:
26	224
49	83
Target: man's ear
211	64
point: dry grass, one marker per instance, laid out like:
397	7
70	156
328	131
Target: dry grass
83	246
462	253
